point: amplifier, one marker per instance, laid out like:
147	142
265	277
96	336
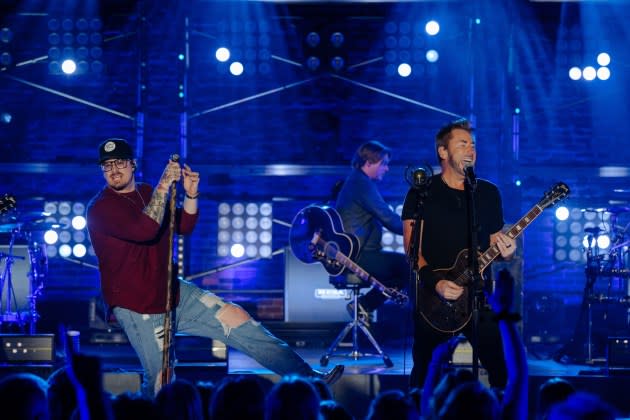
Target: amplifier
20	348
619	353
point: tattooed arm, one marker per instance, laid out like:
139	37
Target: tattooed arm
157	205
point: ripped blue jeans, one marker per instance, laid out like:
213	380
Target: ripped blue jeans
204	314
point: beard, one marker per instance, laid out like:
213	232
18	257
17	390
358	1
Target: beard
119	183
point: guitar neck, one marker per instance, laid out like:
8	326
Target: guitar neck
352	266
493	252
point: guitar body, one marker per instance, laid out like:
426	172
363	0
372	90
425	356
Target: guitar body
317	235
326	222
448	315
451	316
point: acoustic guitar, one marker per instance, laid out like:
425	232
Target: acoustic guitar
317	235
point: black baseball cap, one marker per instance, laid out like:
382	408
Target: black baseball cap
114	149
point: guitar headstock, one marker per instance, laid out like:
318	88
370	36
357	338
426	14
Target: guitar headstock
7	203
558	192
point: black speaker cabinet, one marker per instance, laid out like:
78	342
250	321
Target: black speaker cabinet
19	348
619	353
308	294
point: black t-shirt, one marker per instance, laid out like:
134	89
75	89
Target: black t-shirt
445	231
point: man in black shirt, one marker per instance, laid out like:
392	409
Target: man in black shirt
444	308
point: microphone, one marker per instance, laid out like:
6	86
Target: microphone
419	176
175	158
469	172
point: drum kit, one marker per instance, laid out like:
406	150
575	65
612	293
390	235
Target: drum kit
608	259
23	267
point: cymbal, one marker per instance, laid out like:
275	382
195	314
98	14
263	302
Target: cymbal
30	217
9	227
28	227
618	209
594	230
38	226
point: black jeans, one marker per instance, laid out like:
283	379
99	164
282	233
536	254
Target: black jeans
489	348
389	268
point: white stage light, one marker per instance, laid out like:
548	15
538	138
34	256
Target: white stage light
68	66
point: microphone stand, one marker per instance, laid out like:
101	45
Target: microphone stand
475	292
169	317
415	246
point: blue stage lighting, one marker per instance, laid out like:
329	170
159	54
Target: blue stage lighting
51	237
336	39
312	63
337	63
68	66
603	59
404	70
603	241
575	73
222	54
432	28
78	222
312	39
589	73
237	250
236	68
603	73
562	213
432	56
65	250
79	250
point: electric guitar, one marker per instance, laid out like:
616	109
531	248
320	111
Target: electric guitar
317	235
7	203
452	315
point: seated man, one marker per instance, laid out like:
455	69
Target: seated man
364	213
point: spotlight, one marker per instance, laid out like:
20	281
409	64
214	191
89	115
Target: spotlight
336	39
603	241
236	68
432	56
6	35
562	213
589	73
337	63
404	70
237	250
79	250
603	73
51	237
73	40
65	250
432	28
68	66
312	39
603	59
5	59
247	225
68	220
575	73
312	63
